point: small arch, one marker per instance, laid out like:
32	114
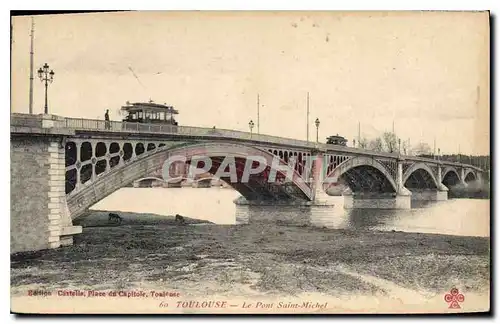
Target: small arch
420	176
151	146
300	163
70	180
86	173
85	151
70	154
100	149
127	151
362	173
470	176
139	149
114	161
100	166
420	179
114	148
451	177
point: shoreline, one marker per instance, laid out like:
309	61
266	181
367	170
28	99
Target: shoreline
98	218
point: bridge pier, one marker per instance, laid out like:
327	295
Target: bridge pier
319	196
40	217
376	201
429	195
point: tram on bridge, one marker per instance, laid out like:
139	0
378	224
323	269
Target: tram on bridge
336	140
149	113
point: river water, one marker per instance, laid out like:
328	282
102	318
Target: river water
466	217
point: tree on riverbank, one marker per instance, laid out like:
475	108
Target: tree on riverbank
422	149
390	142
376	145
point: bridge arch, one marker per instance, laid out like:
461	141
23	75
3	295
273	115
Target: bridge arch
470	176
151	163
420	176
450	177
362	174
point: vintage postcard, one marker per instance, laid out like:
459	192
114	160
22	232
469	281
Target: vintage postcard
250	162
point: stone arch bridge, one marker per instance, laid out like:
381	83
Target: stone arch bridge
66	165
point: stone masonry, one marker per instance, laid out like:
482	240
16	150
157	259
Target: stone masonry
39	216
29	194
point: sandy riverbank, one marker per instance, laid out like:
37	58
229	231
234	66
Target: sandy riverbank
259	261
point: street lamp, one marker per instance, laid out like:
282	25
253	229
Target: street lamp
439	154
317	128
251	124
46	76
399	145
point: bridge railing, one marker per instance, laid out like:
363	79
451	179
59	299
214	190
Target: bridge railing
448	163
90	124
114	126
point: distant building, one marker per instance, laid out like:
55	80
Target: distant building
336	140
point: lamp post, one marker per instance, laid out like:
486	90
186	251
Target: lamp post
439	154
46	76
251	124
399	145
317	129
354	143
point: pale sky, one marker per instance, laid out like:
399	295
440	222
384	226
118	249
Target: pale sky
427	72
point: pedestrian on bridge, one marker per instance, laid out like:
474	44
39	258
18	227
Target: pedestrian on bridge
106	118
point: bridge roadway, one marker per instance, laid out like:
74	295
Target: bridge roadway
64	165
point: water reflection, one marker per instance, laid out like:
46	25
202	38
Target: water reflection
456	216
370	218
